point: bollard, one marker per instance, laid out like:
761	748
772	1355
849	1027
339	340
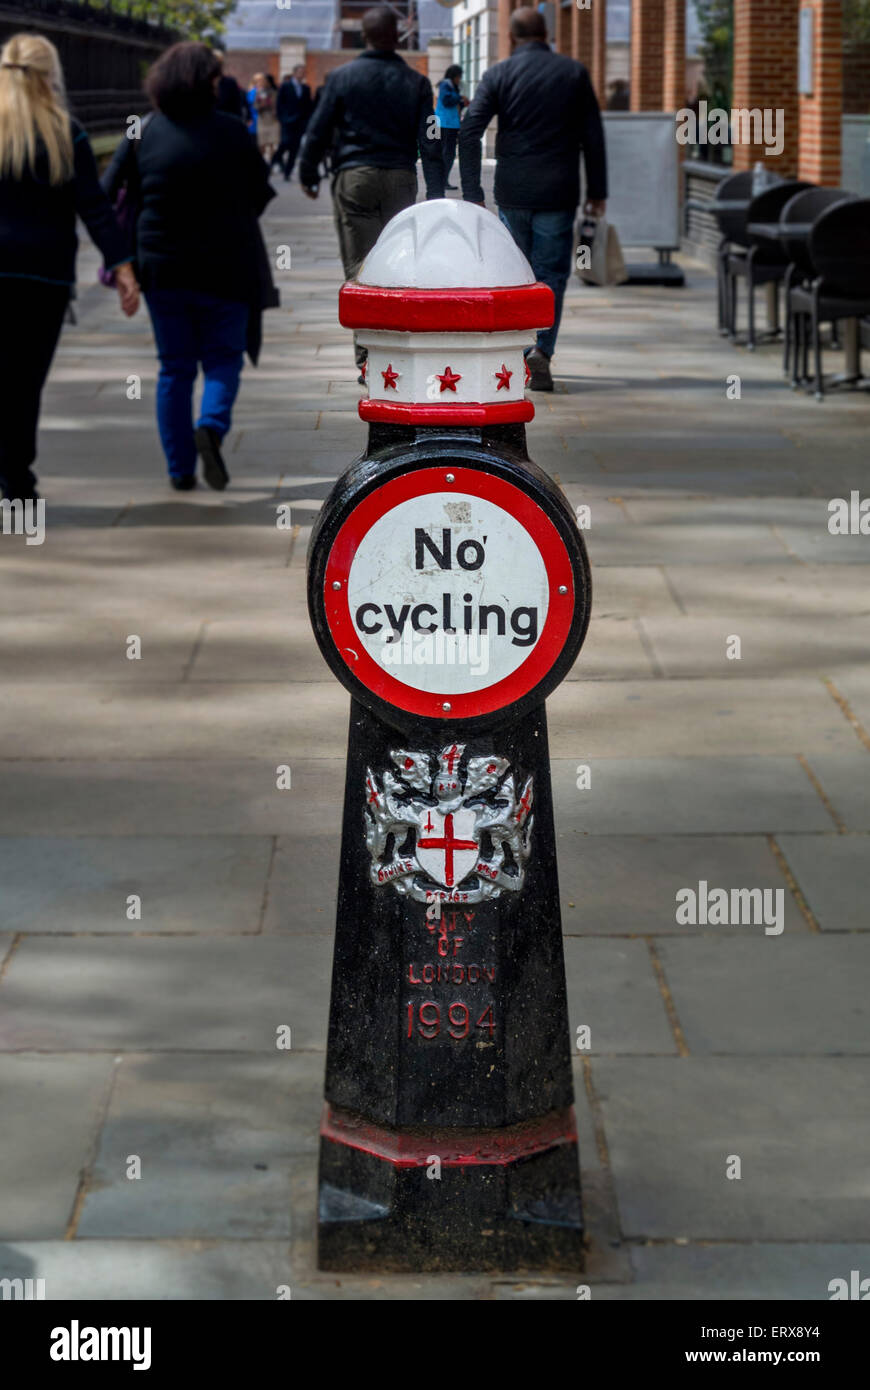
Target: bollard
449	592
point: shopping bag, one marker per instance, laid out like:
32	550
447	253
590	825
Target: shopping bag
604	263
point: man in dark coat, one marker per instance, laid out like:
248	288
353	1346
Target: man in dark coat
293	108
374	115
547	113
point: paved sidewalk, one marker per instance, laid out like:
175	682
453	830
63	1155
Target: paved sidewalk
155	779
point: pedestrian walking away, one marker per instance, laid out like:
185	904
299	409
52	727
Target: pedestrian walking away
374	116
547	114
47	177
268	129
293	108
449	112
200	186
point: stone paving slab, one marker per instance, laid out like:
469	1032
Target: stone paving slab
781	647
712	717
51	1112
791	590
303	884
181	797
853	684
265	648
747	1272
627	884
612	990
44	649
212	885
833	873
722	992
800	1126
631	592
272	722
691	545
613	649
132	1270
215	994
215	1136
844	779
684	796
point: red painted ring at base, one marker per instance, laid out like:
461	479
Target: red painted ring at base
455	1148
495	310
461	413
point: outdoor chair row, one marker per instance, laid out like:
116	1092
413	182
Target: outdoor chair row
815	243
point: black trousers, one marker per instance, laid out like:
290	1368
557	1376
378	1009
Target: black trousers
448	149
285	155
31	314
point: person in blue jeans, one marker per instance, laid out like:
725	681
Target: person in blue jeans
547	114
199	185
449	112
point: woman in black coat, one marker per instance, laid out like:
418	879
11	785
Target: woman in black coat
199	186
47	177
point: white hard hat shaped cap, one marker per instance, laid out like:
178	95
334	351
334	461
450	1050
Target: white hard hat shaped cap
445	244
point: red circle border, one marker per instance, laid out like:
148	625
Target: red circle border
560	611
496	310
461	413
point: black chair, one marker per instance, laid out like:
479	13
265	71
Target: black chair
732	232
840	256
803	208
765	262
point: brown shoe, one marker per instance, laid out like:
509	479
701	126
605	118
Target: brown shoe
538	364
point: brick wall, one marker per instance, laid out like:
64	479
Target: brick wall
820	115
647	54
765	74
674	40
242	63
599	49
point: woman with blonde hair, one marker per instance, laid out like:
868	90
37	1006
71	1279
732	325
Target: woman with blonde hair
47	176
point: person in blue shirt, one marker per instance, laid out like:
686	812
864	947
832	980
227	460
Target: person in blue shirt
449	113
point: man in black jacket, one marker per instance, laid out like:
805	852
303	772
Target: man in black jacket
373	116
547	112
293	109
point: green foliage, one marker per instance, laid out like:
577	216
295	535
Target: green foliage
716	20
193	19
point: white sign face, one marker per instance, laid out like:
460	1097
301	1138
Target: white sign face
448	593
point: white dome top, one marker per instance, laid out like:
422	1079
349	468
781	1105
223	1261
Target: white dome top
445	244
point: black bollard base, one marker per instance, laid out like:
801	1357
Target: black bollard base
449	589
519	1213
448	1140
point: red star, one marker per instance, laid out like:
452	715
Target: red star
503	378
528	373
448	380
390	377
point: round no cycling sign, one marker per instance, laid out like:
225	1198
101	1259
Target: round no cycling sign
450	593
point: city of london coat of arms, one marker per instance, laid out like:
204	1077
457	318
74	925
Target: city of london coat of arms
447	829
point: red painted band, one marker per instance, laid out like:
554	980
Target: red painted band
542	657
495	310
463	413
456	1148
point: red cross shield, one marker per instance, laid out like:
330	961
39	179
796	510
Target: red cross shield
446	847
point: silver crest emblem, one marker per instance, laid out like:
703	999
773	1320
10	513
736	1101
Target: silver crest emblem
444	829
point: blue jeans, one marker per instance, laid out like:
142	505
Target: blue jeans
546	239
192	327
